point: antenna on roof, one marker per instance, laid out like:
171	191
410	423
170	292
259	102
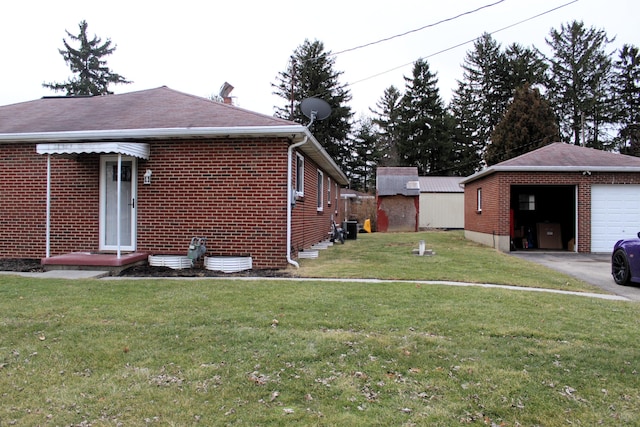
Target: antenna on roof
315	109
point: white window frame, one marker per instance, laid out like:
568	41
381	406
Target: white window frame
328	191
299	175
320	207
479	200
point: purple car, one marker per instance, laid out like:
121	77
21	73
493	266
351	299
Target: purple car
625	261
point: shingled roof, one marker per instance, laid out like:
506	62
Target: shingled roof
159	108
154	114
561	157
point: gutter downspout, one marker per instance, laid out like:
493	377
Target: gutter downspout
290	195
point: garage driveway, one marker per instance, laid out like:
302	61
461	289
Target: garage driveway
591	268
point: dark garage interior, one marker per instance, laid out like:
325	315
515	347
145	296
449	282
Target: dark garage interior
543	217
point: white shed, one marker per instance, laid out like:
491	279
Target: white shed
441	202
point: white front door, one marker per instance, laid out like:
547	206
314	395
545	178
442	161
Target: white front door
109	217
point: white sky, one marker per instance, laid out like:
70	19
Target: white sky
195	46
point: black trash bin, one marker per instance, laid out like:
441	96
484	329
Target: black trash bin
352	229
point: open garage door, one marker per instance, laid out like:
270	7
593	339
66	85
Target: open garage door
615	215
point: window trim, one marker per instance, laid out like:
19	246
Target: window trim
479	200
328	191
299	175
320	205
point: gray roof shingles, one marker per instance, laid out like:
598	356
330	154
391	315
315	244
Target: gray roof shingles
158	108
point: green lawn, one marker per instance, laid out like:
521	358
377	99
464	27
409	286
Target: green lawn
277	352
389	256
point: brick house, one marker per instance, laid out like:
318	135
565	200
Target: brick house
144	172
560	196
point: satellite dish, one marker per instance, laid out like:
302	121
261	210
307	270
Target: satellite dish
315	109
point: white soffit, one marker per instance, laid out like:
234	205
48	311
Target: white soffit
133	149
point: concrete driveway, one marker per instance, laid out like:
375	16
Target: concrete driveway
591	268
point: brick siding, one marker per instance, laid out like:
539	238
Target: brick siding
495	216
233	192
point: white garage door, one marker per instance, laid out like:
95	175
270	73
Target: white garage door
615	214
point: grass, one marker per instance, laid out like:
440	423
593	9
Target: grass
275	352
389	256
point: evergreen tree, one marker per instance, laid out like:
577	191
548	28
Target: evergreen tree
425	139
627	89
365	156
465	148
483	94
529	123
311	73
523	66
387	120
92	76
579	87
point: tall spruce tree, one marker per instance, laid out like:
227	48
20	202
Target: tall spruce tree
365	156
627	90
579	87
387	120
311	73
483	94
529	123
91	74
490	79
425	138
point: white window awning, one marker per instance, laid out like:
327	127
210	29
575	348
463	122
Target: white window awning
133	149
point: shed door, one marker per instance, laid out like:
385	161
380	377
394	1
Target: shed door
615	215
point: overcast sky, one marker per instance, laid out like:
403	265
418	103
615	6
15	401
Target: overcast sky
195	46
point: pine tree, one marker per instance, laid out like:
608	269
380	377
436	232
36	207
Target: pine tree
579	87
311	73
627	89
425	139
92	76
529	123
483	94
365	156
387	120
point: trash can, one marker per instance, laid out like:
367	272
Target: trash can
352	229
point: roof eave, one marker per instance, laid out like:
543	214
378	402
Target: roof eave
295	133
290	131
494	169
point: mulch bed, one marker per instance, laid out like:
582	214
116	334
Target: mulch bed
34	266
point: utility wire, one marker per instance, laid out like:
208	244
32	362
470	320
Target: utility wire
416	30
463	43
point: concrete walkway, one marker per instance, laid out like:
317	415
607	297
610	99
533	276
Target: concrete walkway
594	269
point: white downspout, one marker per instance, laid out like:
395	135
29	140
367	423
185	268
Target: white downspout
290	195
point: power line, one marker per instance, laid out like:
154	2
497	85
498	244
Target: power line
416	30
463	43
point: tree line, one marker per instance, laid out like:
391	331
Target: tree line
509	101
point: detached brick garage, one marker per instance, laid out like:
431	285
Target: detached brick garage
560	197
183	166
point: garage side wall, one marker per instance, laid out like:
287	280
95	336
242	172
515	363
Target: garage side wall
491	226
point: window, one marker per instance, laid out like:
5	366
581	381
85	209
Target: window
328	191
300	175
527	202
320	190
479	207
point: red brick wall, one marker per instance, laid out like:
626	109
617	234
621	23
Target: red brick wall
310	226
74	202
233	192
496	193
